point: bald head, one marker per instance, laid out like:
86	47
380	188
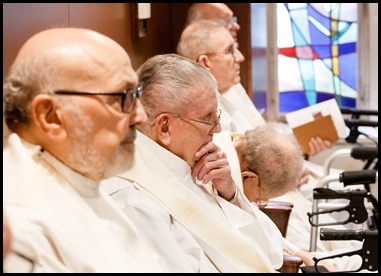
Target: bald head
65	94
208	11
69	52
71	59
201	37
219	12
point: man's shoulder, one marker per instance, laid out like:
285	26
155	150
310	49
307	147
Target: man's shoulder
116	184
130	194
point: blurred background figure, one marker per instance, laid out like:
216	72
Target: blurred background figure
214	11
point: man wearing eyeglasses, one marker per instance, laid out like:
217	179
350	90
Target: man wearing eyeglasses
71	102
210	44
242	114
180	191
235	101
239	113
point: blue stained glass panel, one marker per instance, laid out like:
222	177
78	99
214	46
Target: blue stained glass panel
324	38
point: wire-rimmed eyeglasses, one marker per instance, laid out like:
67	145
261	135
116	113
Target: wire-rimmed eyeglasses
231	21
128	97
213	125
230	52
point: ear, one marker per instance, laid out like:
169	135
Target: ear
204	61
162	129
251	187
251	177
47	116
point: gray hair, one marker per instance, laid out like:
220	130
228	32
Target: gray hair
196	39
26	79
170	82
275	157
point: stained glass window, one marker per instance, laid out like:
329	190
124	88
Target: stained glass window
317	58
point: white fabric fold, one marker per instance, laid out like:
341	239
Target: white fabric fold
223	243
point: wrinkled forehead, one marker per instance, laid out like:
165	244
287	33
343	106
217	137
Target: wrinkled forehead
80	55
101	66
205	97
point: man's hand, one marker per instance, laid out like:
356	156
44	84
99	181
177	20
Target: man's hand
304	177
317	145
307	258
212	166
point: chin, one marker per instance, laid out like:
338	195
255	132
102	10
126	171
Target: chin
122	162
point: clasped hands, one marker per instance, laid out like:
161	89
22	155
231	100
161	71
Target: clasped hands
212	166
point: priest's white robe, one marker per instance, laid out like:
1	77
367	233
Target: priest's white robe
62	222
203	224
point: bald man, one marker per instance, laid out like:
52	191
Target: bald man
210	44
71	102
214	11
235	99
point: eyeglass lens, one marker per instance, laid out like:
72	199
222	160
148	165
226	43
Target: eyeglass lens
129	99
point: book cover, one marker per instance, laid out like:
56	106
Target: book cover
322	120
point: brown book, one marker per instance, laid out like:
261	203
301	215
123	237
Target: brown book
322	127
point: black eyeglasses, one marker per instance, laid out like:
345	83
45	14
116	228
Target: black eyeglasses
128	97
213	125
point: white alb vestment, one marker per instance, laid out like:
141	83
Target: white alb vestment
226	121
241	108
62	222
233	239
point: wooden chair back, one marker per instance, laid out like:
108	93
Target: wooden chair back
279	212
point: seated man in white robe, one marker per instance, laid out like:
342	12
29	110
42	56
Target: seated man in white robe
180	191
270	164
201	41
234	96
71	104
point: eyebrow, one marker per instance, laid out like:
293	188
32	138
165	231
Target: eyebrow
209	115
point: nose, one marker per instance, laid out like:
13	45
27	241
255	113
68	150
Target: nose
217	129
139	114
235	26
238	56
